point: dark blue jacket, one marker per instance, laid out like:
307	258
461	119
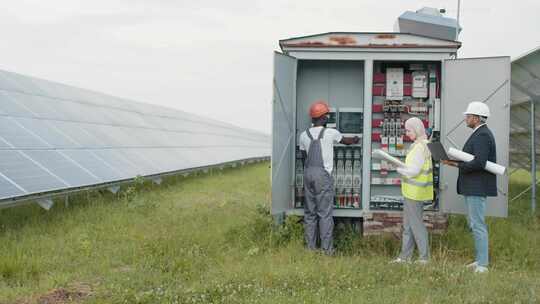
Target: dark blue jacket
473	179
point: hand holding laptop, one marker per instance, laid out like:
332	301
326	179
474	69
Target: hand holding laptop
452	163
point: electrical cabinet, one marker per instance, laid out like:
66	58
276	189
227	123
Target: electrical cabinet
373	83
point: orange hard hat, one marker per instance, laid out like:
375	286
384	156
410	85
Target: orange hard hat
318	109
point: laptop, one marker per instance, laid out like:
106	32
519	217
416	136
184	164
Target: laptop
437	151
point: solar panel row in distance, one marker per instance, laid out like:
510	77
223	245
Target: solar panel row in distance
55	137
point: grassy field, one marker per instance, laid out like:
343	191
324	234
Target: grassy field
210	239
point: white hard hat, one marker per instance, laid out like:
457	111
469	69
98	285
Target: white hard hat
477	108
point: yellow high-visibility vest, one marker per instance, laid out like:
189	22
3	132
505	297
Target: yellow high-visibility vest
420	187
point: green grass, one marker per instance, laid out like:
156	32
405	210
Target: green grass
210	239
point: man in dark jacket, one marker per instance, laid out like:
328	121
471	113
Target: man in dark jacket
474	182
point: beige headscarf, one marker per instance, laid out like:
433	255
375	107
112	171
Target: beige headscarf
417	126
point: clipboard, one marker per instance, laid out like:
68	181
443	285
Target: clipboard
380	154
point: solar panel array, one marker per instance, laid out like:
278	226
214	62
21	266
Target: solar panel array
56	137
525	87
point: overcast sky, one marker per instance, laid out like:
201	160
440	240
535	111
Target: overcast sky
214	58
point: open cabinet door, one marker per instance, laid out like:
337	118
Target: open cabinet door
466	80
283	132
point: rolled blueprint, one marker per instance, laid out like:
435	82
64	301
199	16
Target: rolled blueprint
380	154
464	156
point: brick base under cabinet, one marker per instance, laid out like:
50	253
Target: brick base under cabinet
392	222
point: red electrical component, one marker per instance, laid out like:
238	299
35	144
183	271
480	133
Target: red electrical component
407	90
377	108
407	78
379	78
377	123
379	90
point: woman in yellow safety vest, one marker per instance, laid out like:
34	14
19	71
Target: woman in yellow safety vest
417	188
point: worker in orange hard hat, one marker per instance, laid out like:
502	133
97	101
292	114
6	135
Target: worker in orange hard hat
318	142
318	109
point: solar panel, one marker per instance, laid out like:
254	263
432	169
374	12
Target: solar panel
17	136
27	174
139	157
8	83
64	168
54	138
120	163
8	189
46	131
38	106
89	160
77	134
8	106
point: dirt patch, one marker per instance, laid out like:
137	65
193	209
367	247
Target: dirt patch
72	294
60	296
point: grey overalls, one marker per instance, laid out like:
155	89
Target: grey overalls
319	196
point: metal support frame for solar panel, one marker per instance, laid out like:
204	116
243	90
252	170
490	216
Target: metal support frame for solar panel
525	97
56	140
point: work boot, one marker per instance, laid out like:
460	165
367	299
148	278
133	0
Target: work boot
480	269
398	260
